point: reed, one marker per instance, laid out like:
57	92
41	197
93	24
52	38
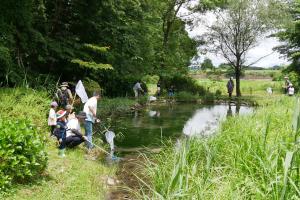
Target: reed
251	157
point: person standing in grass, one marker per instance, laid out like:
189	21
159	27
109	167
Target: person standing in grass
230	86
137	88
52	116
90	108
287	84
158	90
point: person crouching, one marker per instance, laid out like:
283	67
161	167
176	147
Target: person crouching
74	136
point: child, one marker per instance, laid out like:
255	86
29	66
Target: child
52	116
60	131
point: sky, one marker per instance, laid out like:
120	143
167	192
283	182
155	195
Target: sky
263	48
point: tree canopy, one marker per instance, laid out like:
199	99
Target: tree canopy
74	39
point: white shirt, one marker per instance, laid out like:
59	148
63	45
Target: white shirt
92	103
291	91
72	124
52	117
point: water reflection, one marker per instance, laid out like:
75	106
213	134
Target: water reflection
205	121
148	128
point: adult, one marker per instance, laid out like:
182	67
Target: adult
90	108
64	95
158	90
74	136
171	91
291	90
69	108
230	86
287	84
137	88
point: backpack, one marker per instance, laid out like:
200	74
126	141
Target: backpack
62	97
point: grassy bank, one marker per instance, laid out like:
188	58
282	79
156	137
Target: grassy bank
251	157
72	177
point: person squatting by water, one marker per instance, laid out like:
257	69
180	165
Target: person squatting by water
74	136
230	86
52	116
90	108
137	88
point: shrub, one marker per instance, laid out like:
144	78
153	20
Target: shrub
183	83
116	105
150	79
186	96
22	154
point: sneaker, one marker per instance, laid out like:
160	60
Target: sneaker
61	153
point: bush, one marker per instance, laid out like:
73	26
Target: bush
22	154
150	79
186	96
183	83
116	105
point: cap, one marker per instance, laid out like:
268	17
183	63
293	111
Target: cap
60	114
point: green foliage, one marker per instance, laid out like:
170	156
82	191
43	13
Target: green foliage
249	158
46	37
21	151
91	65
115	106
186	97
97	48
22	154
148	79
207	64
183	83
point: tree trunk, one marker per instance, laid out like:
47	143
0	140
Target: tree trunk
237	80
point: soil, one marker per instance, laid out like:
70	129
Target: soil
128	170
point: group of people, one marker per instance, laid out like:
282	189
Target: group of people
137	89
66	125
288	87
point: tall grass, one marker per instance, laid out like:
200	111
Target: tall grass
252	157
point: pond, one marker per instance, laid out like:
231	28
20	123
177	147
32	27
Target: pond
149	127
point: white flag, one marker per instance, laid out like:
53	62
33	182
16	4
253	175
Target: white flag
81	92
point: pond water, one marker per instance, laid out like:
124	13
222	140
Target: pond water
156	123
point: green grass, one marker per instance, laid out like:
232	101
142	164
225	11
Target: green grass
248	87
72	177
251	157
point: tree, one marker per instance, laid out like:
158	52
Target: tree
238	29
207	64
291	37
